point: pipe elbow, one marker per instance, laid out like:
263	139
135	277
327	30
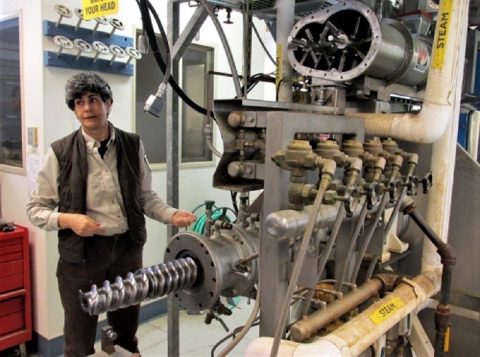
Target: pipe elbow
447	254
389	281
355	163
425	127
328	166
380	162
408	205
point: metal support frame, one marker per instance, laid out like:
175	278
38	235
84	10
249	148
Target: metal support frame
179	43
247	44
188	34
172	161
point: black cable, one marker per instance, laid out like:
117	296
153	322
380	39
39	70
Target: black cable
257	78
233	195
145	6
230	335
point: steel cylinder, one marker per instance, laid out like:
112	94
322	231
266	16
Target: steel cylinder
346	40
216	258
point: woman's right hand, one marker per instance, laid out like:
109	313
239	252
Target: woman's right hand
81	224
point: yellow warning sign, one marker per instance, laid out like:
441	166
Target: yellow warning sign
443	24
98	8
386	310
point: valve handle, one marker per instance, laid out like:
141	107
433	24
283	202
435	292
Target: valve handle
427	181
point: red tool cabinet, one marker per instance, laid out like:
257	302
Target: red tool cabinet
15	289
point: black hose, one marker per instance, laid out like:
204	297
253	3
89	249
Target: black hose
145	6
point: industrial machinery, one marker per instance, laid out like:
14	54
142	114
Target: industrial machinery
326	249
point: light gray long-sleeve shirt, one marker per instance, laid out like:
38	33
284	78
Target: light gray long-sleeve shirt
104	197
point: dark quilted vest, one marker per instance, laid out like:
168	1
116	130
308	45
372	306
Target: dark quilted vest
71	154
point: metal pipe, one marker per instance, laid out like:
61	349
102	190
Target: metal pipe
308	325
285	21
207	129
368	237
226	47
326	254
443	82
286	224
351	247
395	212
355	336
328	170
442	314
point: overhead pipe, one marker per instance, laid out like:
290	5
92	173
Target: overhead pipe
285	21
443	83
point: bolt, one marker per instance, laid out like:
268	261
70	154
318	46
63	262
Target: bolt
63	11
112	335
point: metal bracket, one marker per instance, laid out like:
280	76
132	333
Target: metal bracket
108	336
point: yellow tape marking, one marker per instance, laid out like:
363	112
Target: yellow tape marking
443	23
98	8
386	310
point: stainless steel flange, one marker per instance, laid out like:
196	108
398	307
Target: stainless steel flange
216	259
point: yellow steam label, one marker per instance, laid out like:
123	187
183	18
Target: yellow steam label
443	25
386	310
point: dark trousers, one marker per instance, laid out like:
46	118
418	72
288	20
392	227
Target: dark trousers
106	258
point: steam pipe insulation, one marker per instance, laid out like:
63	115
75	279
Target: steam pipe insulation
355	336
444	83
445	250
